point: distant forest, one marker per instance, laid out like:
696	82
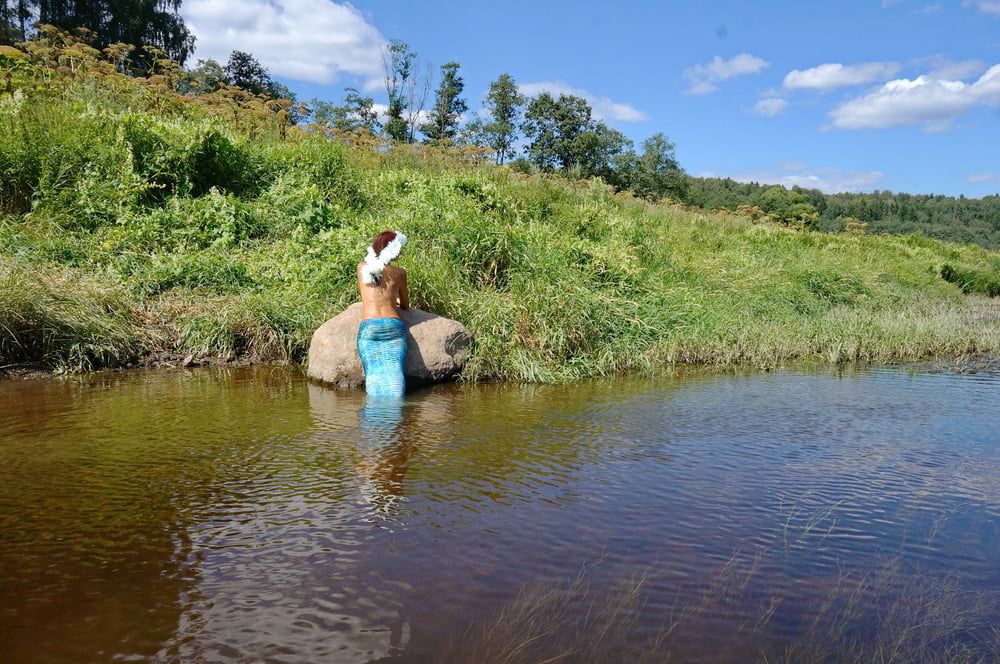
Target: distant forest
973	220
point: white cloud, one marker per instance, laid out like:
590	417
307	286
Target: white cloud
981	178
945	68
923	100
929	9
770	106
603	107
835	75
828	180
985	6
705	78
302	40
423	117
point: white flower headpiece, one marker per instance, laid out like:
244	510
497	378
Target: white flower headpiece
371	271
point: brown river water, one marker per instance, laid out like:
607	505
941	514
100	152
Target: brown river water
245	515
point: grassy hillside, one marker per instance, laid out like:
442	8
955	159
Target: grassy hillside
136	222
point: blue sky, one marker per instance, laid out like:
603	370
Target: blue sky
849	96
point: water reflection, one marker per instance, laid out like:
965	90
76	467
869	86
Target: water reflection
385	451
244	514
380	421
98	500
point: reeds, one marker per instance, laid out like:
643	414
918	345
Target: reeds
891	613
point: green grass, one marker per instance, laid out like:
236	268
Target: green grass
134	222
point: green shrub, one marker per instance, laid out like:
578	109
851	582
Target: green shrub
972	280
192	224
207	271
178	157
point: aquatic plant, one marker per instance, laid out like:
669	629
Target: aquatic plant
896	612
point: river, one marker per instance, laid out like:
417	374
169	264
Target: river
247	515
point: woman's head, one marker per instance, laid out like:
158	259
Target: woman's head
386	246
382	240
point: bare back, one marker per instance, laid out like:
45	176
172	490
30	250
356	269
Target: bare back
381	300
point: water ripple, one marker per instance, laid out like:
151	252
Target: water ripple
243	514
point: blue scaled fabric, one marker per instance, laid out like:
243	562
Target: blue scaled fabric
382	347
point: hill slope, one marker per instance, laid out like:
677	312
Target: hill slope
137	222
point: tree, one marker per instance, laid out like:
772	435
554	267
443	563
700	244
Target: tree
418	88
564	136
406	88
356	115
553	125
656	173
503	102
142	23
448	106
597	151
14	17
244	71
207	76
397	64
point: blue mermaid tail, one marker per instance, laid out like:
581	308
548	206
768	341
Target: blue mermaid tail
382	347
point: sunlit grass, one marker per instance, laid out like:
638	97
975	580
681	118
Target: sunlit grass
130	228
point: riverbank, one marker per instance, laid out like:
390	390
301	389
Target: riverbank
139	226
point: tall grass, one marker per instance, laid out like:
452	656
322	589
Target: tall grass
148	223
58	320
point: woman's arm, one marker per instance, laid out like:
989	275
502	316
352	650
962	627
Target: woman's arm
404	295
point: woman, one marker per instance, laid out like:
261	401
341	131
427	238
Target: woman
381	335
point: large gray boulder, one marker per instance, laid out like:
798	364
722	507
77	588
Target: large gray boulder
437	348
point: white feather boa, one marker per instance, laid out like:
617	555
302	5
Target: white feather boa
371	271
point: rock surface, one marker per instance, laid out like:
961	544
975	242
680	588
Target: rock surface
437	348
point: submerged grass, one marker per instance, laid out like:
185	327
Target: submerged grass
892	613
133	224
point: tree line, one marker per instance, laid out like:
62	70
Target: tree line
546	133
559	134
959	219
144	23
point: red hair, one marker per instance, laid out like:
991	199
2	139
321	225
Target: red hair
382	240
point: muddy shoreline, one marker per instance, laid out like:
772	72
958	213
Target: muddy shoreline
980	363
